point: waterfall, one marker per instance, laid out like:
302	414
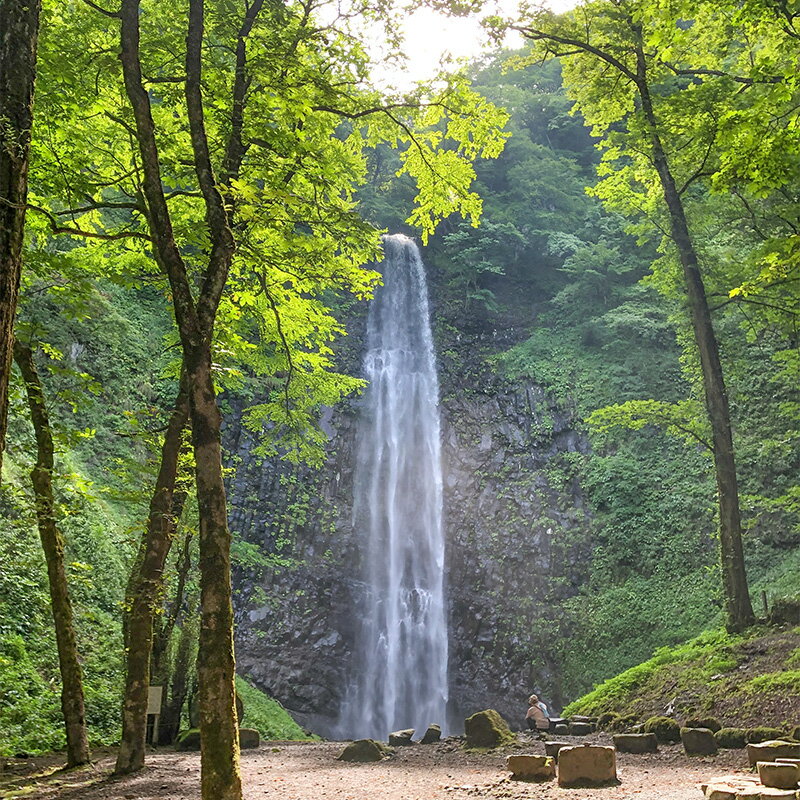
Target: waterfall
400	663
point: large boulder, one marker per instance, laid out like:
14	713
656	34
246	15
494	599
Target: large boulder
432	735
401	738
635	742
363	750
487	729
698	742
531	768
587	765
769	751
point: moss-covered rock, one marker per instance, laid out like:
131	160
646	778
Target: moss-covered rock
758	735
731	738
364	750
667	731
432	735
487	729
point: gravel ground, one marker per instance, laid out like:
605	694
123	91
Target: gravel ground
306	771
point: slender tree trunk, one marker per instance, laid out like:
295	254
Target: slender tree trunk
19	31
142	594
220	777
72	704
738	607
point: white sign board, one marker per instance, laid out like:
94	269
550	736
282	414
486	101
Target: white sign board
154	699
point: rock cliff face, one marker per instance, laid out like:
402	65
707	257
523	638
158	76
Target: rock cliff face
516	546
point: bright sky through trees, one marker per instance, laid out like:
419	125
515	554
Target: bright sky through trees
431	36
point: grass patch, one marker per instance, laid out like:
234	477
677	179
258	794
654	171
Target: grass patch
787	681
266	715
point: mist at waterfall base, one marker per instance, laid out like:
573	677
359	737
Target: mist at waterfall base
400	661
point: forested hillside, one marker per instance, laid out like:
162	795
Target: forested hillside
191	324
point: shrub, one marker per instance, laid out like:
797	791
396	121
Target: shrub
711	723
667	731
758	735
731	738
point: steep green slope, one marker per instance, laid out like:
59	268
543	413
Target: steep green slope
743	681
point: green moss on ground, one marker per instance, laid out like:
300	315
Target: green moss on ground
266	715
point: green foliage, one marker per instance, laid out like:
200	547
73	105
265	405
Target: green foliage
266	715
786	681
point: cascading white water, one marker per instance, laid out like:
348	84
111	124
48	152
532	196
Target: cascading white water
400	669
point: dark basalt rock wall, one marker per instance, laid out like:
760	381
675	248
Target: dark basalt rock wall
516	547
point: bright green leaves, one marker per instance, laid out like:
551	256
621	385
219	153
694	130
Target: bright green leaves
686	419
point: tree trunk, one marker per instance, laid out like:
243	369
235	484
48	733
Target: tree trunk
216	669
19	30
738	607
220	778
72	704
146	580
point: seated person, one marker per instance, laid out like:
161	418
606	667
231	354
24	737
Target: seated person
537	717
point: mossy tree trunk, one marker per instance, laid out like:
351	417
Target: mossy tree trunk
19	32
143	590
220	777
623	53
738	607
72	702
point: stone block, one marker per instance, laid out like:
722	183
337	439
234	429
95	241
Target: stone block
635	742
432	735
531	768
736	781
732	787
777	775
587	765
552	748
769	751
363	750
401	738
561	730
580	728
698	741
249	738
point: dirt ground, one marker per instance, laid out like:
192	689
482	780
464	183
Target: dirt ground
307	771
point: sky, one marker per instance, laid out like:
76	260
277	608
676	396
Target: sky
431	35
